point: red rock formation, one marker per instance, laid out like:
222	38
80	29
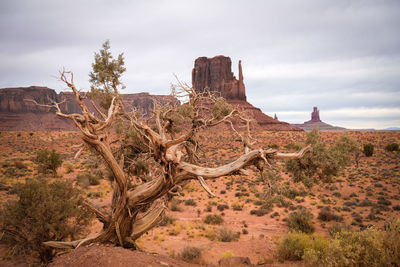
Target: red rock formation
316	122
215	75
13	99
16	113
315	115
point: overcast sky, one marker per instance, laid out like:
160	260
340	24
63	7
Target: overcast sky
342	56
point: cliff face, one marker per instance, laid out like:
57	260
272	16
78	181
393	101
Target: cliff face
13	99
18	113
215	75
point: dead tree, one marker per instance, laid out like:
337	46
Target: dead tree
173	155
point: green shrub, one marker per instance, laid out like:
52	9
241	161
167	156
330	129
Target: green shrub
371	247
237	206
227	254
93	180
190	254
224	234
368	150
293	245
364	248
323	162
43	212
259	212
222	207
392	147
213	219
221	108
326	215
68	168
48	161
301	221
190	202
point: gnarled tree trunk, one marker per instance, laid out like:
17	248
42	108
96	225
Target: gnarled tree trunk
135	211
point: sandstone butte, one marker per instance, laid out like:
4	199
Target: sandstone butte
215	75
317	122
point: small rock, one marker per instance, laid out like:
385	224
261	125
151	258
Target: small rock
235	262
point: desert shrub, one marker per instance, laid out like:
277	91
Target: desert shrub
93	180
43	212
237	206
368	150
292	193
167	220
48	161
213	219
371	247
260	212
190	202
301	221
363	248
224	234
323	162
336	228
68	168
222	207
392	147
384	201
293	245
175	205
227	254
326	215
85	179
190	254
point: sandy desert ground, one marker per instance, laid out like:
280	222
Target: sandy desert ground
363	196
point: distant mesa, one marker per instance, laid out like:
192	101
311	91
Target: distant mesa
316	122
215	75
18	114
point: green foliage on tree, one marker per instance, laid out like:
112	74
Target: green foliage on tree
221	108
368	150
48	161
323	163
42	212
105	77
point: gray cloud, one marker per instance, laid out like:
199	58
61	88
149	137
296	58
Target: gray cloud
337	55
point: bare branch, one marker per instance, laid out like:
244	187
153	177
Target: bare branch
205	186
